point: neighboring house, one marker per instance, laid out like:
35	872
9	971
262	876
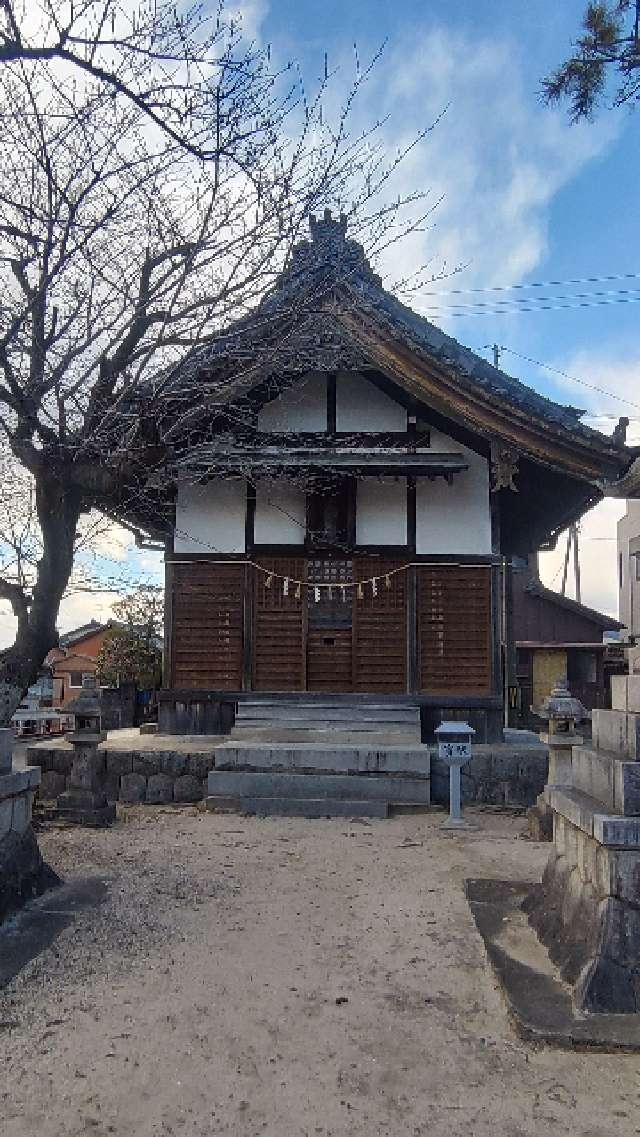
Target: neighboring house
629	568
75	657
556	636
344	503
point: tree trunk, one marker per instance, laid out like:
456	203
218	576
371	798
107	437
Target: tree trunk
58	509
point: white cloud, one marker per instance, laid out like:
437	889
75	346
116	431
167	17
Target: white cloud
497	157
620	375
251	14
598	558
615	372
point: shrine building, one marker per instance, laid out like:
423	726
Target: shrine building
348	487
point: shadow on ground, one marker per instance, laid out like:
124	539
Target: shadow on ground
24	936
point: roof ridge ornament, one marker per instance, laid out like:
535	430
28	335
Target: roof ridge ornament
328	228
330	256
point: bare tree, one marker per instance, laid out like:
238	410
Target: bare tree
121	249
163	60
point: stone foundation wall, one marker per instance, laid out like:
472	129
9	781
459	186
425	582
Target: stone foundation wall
498	775
507	775
22	872
155	777
587	914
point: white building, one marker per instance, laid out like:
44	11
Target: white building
629	568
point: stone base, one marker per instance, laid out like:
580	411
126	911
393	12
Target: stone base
92	819
77	809
587	914
540	818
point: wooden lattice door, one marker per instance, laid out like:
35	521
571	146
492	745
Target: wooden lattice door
207	624
380	627
454	629
279	626
329	626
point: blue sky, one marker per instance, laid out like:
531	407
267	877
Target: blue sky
527	197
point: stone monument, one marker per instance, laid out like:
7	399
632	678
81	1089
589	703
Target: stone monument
587	912
84	802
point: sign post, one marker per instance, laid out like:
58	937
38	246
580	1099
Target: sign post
454	748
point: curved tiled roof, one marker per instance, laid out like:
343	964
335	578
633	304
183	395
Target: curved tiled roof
302	324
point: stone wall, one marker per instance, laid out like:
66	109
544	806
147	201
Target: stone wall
153	776
496	775
506	775
22	872
588	917
587	912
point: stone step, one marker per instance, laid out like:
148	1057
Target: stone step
299	807
625	693
616	731
607	778
352	787
319	733
587	814
296	712
415	761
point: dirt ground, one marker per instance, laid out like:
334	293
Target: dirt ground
285	978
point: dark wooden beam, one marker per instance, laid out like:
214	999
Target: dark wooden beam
167	665
250	518
331	404
411	514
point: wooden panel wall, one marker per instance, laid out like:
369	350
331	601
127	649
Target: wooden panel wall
454	630
380	629
207	602
279	628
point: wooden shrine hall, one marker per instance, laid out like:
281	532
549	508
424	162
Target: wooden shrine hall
348	487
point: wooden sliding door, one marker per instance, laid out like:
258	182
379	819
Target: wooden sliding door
380	627
454	630
278	646
207	603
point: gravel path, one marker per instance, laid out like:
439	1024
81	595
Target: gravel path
284	978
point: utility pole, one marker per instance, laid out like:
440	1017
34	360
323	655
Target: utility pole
496	354
576	564
572	543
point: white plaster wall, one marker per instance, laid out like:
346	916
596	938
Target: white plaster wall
210	518
280	514
628	531
360	405
381	511
303	406
454	518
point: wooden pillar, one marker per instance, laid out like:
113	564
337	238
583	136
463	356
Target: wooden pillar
167	660
413	668
247	627
508	635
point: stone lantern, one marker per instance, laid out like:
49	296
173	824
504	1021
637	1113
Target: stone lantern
85	801
87	728
563	712
454	748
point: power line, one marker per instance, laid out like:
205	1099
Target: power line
572	378
536	284
480	309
